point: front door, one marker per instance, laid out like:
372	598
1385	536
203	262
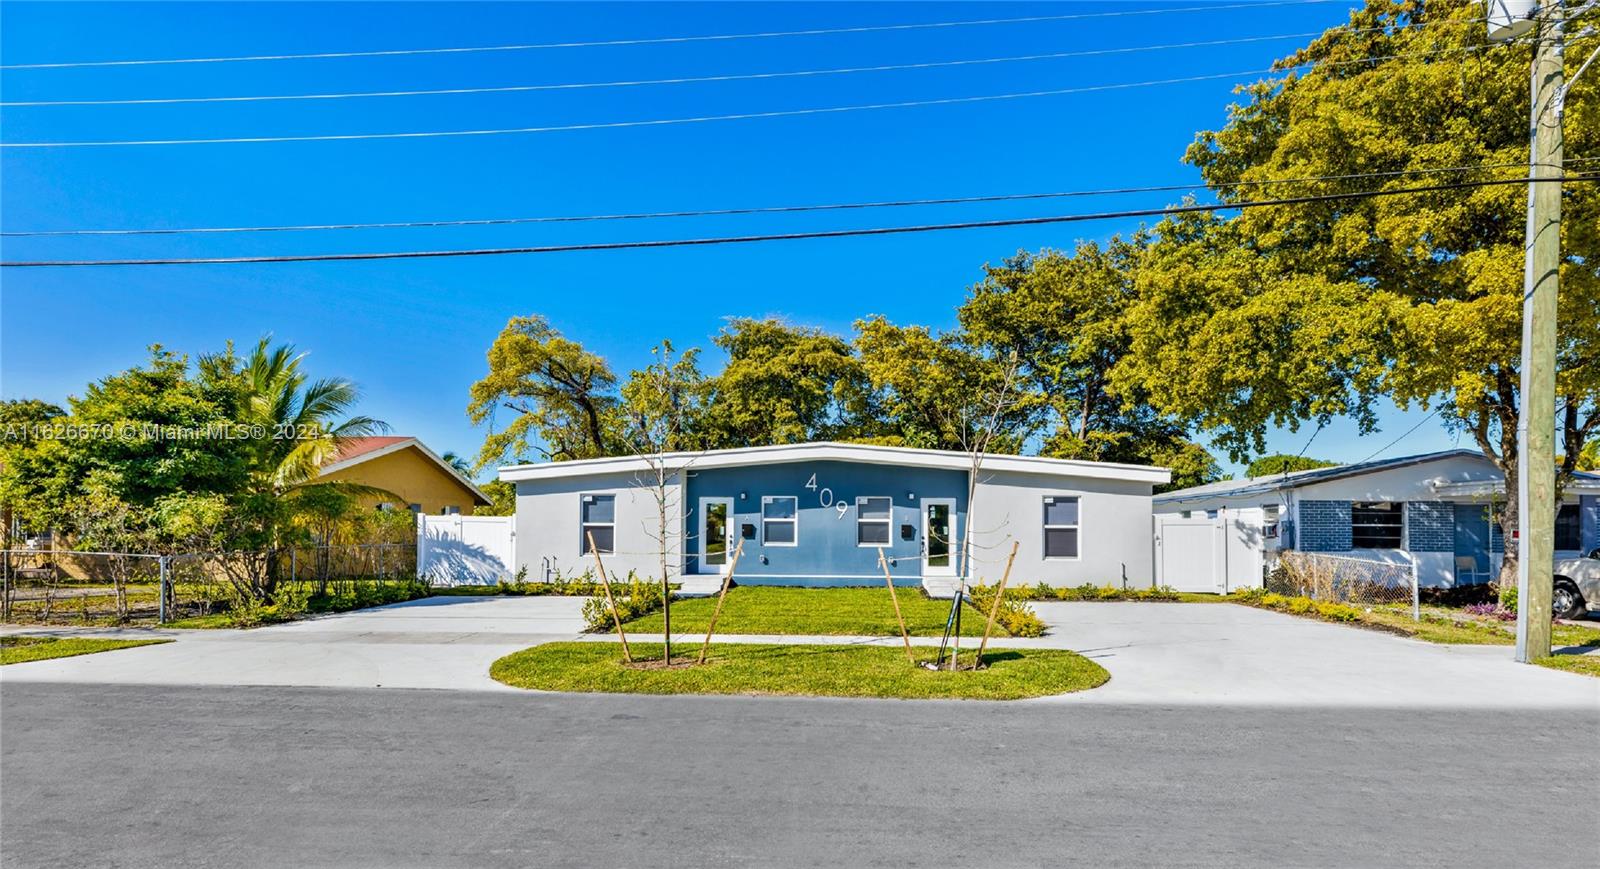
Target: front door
938	537
1472	544
716	534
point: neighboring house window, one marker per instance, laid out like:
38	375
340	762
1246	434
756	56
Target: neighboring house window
872	521
385	507
1186	514
1377	524
597	515
1060	526
450	510
1568	527
778	520
415	508
1270	516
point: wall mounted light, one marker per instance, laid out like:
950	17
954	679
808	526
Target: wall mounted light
741	496
911	496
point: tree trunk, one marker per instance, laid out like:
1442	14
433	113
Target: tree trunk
1507	580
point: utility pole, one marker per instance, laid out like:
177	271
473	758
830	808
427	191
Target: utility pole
1536	457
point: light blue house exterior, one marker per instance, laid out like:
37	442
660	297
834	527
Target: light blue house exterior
831	514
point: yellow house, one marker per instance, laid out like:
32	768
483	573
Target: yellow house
417	477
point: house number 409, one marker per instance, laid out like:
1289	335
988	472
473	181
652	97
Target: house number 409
825	497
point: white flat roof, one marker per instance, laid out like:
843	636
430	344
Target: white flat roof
823	451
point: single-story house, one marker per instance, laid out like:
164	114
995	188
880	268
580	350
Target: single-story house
820	514
1434	510
411	476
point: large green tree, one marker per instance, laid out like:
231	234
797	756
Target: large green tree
782	384
563	397
1063	315
928	390
1303	312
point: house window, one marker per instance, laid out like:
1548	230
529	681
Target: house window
779	520
385	507
872	521
450	510
1568	527
414	508
1060	526
1270	514
597	515
1377	524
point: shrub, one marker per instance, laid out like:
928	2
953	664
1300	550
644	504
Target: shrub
1491	610
1014	617
634	598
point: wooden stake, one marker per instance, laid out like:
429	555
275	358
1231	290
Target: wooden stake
994	608
896	600
727	579
605	583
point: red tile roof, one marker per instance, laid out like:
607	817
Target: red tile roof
361	446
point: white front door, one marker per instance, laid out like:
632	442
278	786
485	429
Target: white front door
939	537
716	534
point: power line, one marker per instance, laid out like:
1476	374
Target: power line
791	236
775	209
663	40
709	78
1057	55
779	113
1385	448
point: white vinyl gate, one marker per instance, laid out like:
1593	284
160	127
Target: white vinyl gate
464	550
1210	553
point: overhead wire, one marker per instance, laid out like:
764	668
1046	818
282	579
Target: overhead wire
665	40
1057	55
780	209
817	234
777	113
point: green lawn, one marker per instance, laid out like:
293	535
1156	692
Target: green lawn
765	609
18	650
1588	665
819	671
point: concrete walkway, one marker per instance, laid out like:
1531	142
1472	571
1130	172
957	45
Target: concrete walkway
1157	653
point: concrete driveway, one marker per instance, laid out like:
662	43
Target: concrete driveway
1157	653
438	642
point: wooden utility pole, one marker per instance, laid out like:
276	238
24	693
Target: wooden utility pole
1536	455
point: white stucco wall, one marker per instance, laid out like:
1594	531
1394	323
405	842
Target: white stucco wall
1114	530
547	525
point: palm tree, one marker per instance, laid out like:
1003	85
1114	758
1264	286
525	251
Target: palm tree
305	421
460	463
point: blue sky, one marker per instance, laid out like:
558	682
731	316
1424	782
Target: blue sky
413	333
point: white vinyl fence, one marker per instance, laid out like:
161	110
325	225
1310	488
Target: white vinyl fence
464	550
1220	553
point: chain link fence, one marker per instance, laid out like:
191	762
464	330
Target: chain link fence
119	588
1344	579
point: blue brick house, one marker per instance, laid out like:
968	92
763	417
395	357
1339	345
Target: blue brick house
1435	510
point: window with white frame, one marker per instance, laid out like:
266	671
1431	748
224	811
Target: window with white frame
1061	526
1377	524
597	516
780	520
873	516
1271	516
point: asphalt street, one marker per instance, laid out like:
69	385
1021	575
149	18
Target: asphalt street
174	776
